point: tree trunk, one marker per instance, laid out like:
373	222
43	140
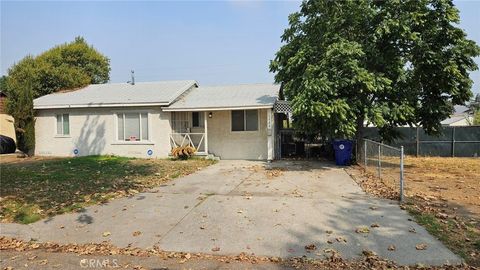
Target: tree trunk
359	135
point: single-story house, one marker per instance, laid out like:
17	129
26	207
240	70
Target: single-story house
462	116
149	119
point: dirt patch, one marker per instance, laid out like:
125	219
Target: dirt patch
455	181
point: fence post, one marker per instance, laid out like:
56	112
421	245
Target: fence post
379	162
453	141
365	153
401	173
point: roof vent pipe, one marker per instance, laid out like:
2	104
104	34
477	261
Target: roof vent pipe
133	78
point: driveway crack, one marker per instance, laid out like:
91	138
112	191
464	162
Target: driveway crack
184	216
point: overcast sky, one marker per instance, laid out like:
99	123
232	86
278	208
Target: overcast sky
211	42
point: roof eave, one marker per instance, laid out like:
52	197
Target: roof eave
224	108
96	105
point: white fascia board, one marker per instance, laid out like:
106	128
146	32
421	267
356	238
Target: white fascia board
233	108
43	107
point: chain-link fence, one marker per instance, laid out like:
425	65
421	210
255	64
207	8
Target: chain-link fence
384	162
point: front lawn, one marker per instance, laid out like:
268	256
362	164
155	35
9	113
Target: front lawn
32	189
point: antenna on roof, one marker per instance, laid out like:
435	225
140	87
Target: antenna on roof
132	81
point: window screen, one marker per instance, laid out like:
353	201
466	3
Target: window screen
195	119
144	119
120	136
132	126
63	124
251	117
238	120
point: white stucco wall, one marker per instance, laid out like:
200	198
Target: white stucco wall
228	144
93	132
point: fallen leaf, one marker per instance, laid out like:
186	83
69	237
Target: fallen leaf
216	249
362	230
368	253
107	233
421	246
311	247
375	225
136	233
341	239
391	247
412	230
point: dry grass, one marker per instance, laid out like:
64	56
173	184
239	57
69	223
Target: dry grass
453	180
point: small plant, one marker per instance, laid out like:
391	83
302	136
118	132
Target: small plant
183	152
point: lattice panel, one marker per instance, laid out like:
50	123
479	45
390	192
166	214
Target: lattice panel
282	106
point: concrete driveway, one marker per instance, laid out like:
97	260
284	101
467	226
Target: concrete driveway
238	206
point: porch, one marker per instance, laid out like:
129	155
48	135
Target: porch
190	129
225	133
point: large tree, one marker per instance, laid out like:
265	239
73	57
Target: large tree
67	66
347	63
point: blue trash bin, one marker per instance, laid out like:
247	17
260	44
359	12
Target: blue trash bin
343	152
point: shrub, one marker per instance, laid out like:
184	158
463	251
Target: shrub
183	152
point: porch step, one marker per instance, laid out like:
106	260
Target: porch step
212	157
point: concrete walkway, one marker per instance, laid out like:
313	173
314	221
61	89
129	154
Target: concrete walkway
238	206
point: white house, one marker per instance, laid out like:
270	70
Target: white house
148	119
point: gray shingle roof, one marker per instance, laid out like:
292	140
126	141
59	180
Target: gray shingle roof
227	96
115	94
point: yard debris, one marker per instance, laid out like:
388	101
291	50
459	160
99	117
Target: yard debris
375	225
106	234
362	229
136	233
421	246
392	248
369	260
311	247
341	239
412	230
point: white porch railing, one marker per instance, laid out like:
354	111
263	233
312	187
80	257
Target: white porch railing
196	140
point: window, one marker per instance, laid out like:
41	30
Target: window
198	119
245	120
63	124
132	126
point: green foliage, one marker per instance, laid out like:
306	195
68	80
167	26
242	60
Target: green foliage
67	66
388	63
476	118
20	105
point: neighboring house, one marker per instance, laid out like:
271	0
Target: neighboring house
148	119
462	116
6	121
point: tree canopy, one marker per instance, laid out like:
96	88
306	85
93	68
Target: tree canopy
388	63
67	66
